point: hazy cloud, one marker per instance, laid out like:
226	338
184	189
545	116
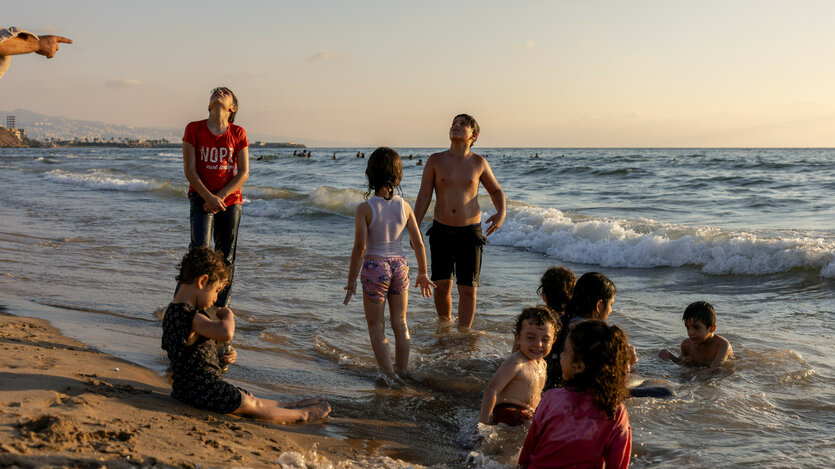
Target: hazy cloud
529	44
124	83
323	55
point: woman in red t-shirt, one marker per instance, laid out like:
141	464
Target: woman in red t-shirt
216	162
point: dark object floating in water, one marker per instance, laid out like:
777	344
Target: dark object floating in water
651	391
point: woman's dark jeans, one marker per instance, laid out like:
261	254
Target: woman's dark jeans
222	228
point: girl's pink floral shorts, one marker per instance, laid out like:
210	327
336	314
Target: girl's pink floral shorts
383	275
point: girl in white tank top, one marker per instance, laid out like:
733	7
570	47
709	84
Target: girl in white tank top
378	251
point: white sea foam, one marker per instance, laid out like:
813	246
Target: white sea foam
829	270
332	199
324	199
314	460
258	192
608	242
95	180
646	244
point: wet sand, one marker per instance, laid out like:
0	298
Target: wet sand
64	404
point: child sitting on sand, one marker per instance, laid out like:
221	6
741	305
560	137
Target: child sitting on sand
513	393
379	225
191	339
584	424
702	345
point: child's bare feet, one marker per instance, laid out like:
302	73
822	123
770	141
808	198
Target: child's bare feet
403	374
319	410
393	380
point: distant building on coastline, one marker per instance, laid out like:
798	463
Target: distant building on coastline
12	127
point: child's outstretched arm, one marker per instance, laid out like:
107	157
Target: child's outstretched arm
722	353
665	354
500	380
221	329
362	218
416	240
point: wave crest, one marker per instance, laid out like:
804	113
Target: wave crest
97	180
646	244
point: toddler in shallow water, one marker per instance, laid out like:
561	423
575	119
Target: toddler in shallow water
190	337
513	393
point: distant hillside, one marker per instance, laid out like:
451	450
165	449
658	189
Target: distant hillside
50	128
42	127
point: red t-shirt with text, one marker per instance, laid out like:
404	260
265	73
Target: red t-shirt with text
216	156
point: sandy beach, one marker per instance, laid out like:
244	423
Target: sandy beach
64	404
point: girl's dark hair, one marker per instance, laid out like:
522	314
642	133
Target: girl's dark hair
234	101
590	288
202	261
557	284
384	171
604	350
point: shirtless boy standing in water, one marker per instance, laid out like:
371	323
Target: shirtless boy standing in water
455	237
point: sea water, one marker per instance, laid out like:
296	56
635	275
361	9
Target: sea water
90	239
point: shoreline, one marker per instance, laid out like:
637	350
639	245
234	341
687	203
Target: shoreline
66	404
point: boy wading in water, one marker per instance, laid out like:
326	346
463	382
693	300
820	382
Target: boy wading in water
455	237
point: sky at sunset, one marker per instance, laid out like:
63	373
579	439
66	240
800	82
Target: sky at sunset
534	74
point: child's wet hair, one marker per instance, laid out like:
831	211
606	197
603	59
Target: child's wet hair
539	315
384	171
557	284
701	311
604	350
590	288
470	120
202	261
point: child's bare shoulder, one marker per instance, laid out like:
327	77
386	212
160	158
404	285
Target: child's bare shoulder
723	343
515	358
434	157
516	363
363	211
